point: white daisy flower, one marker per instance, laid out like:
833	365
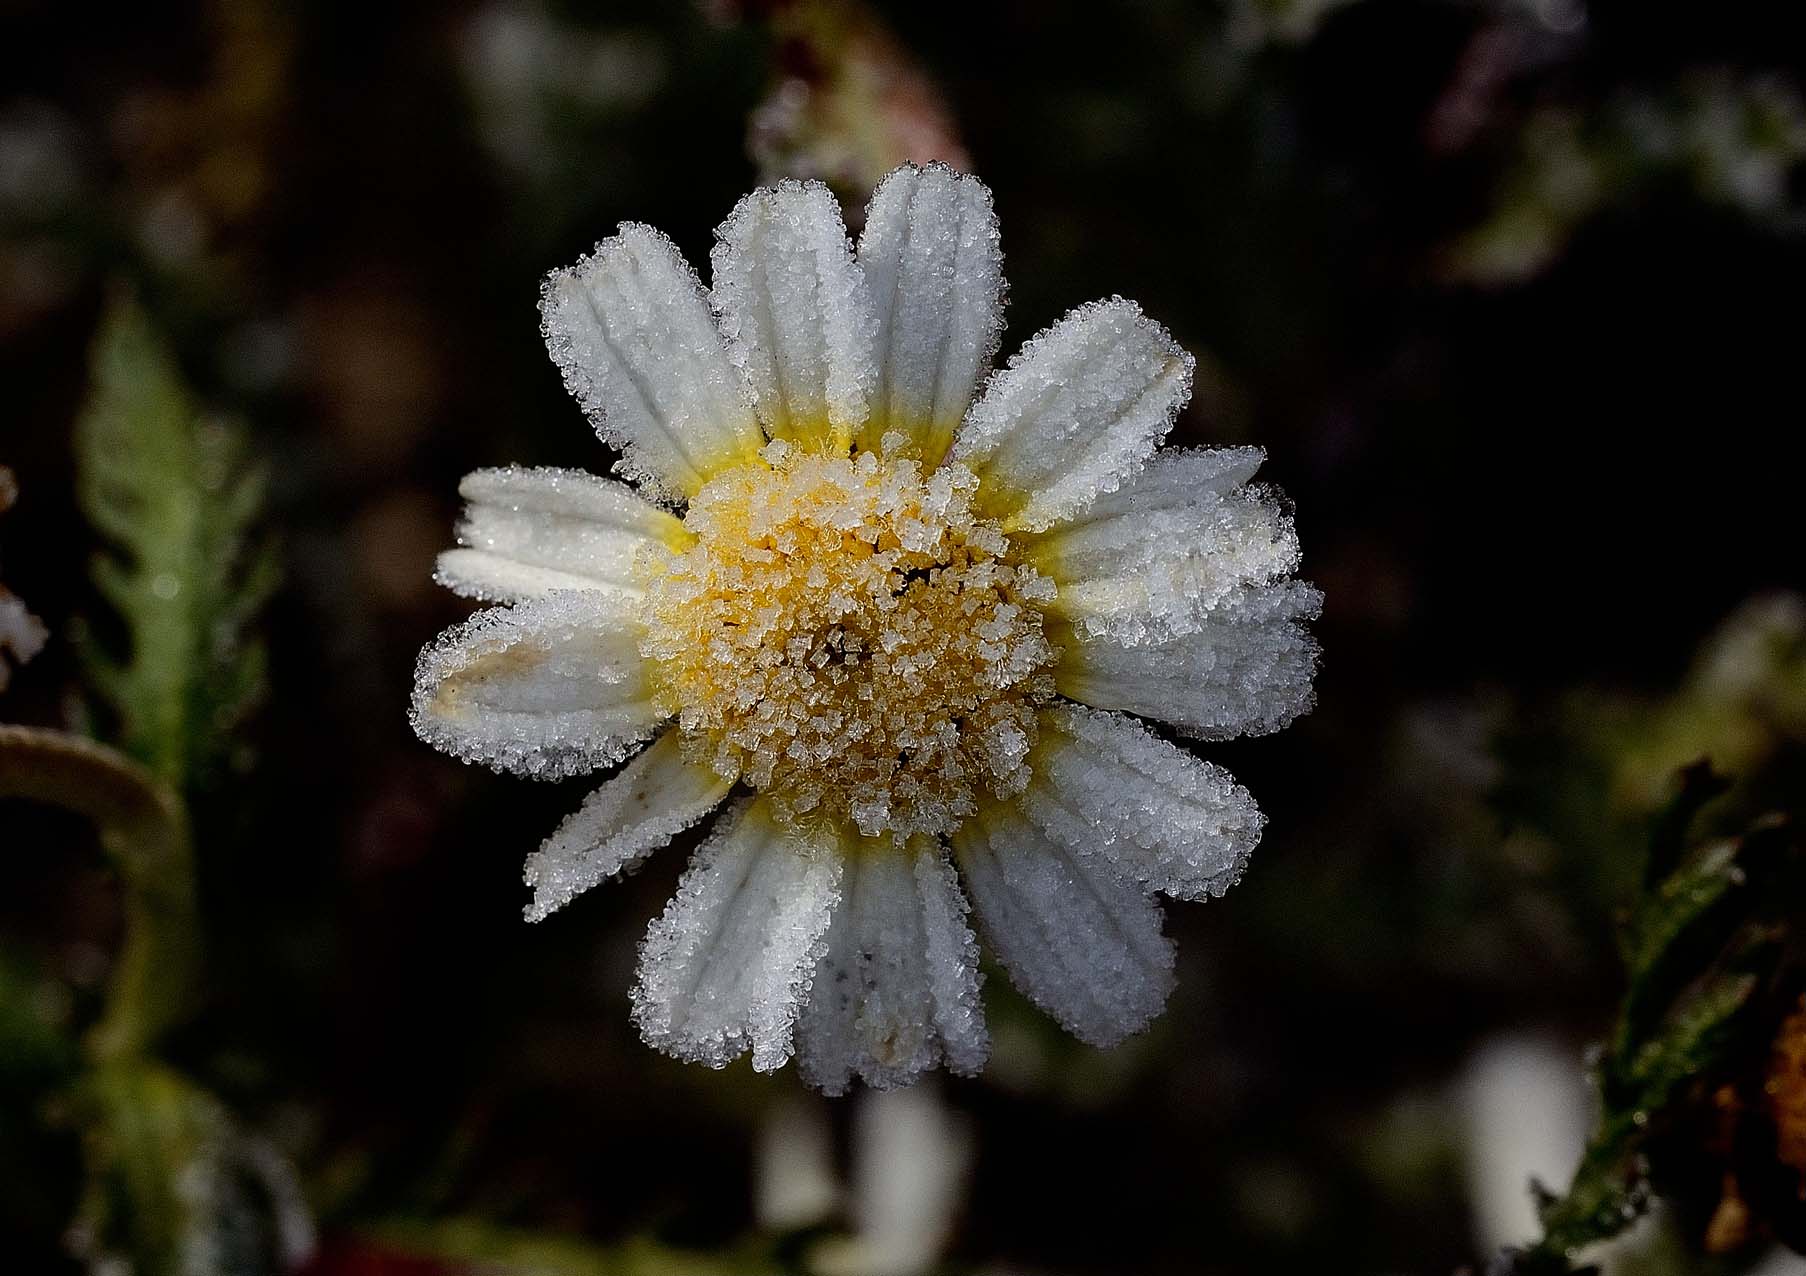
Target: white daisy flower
907	609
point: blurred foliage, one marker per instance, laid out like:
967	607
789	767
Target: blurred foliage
849	103
172	1185
487	1247
1733	142
336	215
176	496
1703	938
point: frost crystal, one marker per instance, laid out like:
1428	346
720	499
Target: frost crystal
896	992
1077	411
853	641
1078	937
655	796
932	253
629	328
726	966
528	532
1107	785
1166	551
549	688
796	313
875	610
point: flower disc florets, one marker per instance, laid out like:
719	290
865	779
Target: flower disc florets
851	638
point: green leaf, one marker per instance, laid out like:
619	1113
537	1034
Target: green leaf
509	1251
144	828
177	1186
177	498
1697	948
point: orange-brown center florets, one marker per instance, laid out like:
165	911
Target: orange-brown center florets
847	636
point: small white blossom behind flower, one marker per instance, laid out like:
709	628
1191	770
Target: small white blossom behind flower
906	610
22	635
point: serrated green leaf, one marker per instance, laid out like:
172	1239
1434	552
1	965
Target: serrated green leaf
175	498
1691	1039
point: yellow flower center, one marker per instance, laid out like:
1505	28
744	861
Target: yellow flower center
847	636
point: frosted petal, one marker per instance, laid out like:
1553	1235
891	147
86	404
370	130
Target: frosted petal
1104	783
629	327
933	257
1174	479
796	313
1165	554
1079	409
896	992
1245	670
549	688
654	797
527	532
727	965
1079	939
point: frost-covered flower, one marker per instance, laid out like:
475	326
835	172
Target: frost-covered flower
906	609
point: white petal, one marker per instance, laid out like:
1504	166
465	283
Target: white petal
527	532
1078	410
896	993
727	965
1079	939
548	688
1106	784
1166	552
655	796
933	257
630	329
1175	479
1246	670
796	313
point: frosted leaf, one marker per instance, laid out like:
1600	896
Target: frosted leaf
1079	939
527	532
1105	784
1165	553
796	313
629	327
896	992
656	796
728	964
549	688
1246	670
1079	409
933	257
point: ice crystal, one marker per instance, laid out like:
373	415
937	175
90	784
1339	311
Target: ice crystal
886	573
530	531
549	688
1079	409
723	970
896	992
1078	937
851	639
934	259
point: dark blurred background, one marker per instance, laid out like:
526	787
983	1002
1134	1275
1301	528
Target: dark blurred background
1509	290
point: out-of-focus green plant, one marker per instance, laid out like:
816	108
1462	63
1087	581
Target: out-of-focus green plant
174	1185
851	105
1704	936
176	496
143	827
1733	142
484	1246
